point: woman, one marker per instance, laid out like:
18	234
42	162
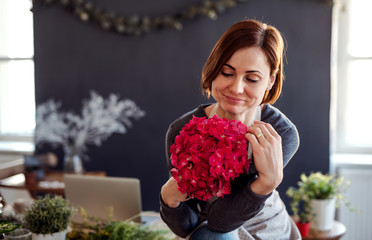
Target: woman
244	74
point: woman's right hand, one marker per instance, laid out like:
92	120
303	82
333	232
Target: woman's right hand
171	195
268	157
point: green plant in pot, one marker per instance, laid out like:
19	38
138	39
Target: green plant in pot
301	209
13	230
48	217
8	226
318	194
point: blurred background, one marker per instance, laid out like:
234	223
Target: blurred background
63	51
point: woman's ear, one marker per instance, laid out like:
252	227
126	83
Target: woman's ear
271	81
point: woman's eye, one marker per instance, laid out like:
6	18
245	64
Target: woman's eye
226	74
251	80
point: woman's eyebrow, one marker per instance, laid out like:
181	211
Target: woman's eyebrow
251	71
229	66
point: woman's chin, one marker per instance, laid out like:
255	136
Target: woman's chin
232	109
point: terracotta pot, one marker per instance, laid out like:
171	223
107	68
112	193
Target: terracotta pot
303	228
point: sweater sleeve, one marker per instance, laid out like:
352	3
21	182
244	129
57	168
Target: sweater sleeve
285	128
183	219
228	213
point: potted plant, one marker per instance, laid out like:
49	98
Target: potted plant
319	195
300	206
8	226
48	217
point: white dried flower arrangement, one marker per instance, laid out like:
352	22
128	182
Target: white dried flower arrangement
98	120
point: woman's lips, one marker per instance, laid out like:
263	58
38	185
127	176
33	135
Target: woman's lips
234	99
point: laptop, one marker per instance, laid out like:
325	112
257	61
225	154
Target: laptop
97	194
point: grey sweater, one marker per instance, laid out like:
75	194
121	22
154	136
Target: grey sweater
228	213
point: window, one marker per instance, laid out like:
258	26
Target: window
17	100
352	77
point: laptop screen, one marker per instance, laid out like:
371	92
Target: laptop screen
97	194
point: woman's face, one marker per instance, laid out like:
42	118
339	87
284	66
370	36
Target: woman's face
240	86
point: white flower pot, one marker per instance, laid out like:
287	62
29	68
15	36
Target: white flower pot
54	236
18	234
324	210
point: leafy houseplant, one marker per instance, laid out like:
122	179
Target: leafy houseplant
48	215
316	186
301	209
300	205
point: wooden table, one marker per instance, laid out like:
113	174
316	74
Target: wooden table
10	165
338	230
51	183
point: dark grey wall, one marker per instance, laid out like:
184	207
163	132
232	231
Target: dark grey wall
161	73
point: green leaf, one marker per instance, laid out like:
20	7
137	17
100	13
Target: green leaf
6	226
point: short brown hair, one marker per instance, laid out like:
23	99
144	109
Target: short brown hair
247	33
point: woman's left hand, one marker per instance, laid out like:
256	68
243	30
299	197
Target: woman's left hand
268	157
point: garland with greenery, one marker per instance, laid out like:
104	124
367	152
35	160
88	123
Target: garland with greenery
139	25
117	230
93	228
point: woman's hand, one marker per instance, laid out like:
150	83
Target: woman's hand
268	157
171	195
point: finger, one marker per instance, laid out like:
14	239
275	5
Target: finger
268	126
272	130
252	139
261	137
266	134
271	133
254	129
257	131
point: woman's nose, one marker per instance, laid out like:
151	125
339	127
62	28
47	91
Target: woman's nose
237	86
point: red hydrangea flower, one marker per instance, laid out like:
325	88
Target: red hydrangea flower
207	155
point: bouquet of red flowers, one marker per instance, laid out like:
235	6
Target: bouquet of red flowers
207	154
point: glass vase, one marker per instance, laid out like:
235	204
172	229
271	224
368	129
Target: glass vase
73	164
